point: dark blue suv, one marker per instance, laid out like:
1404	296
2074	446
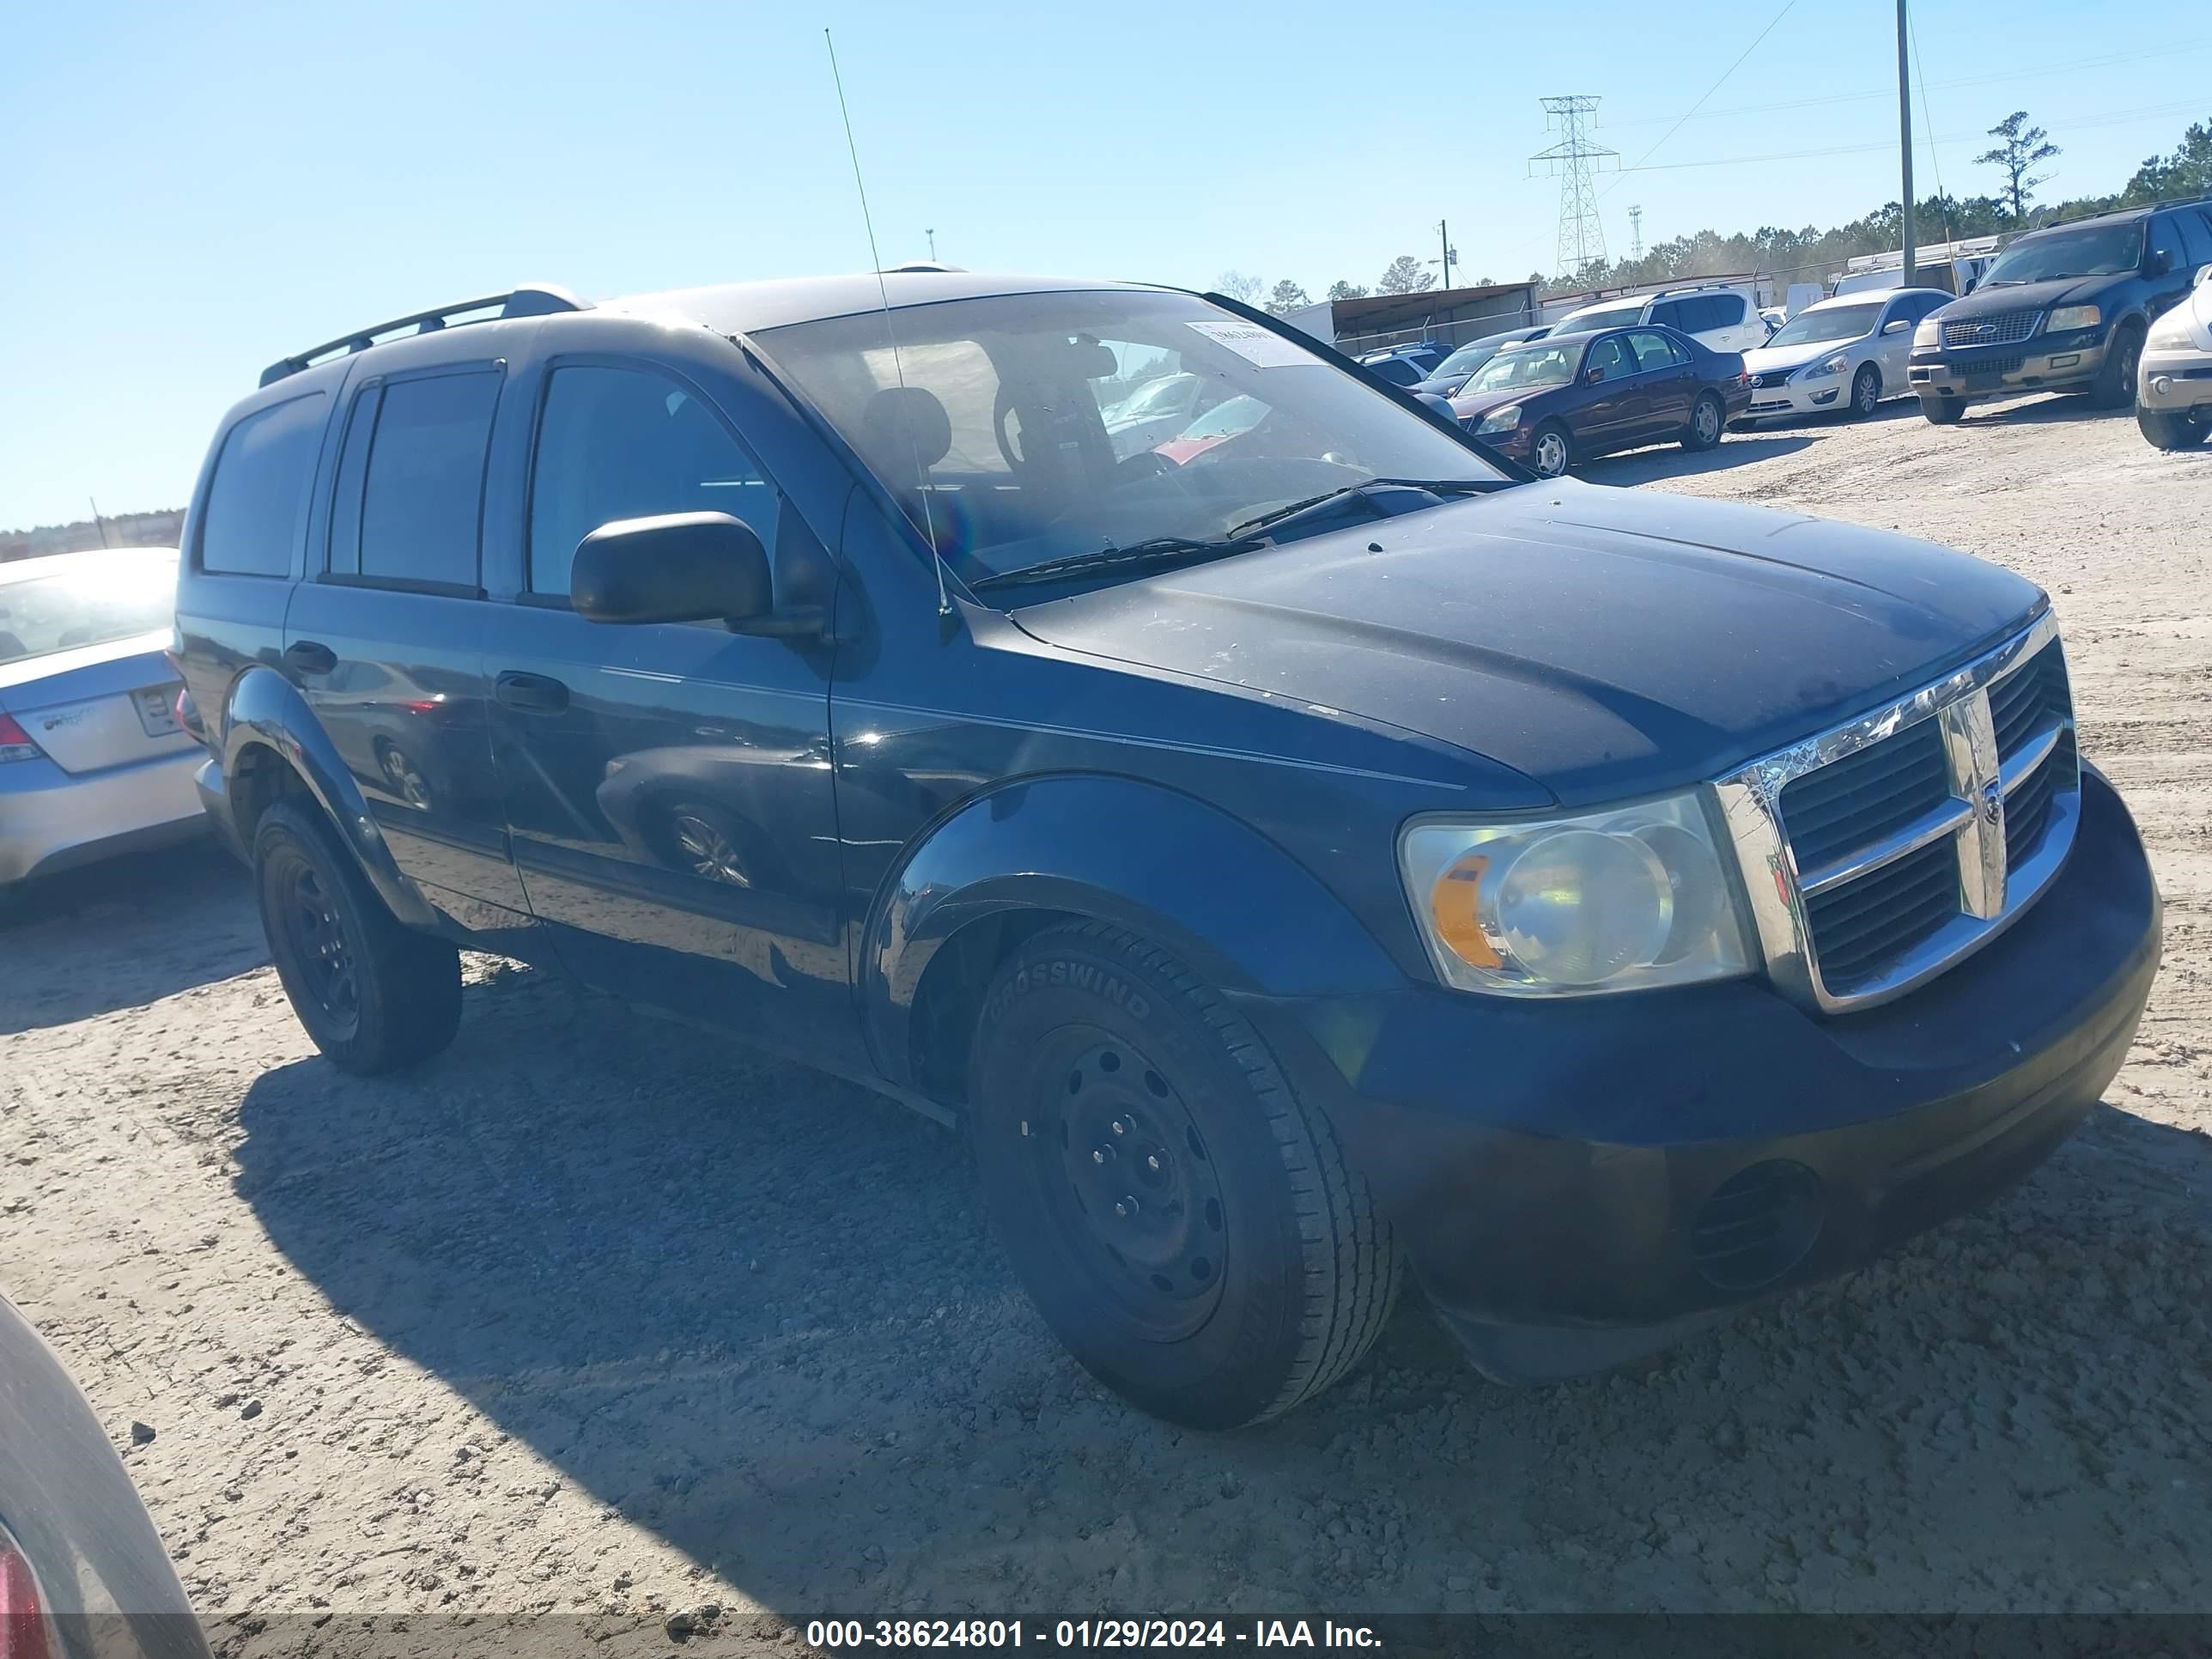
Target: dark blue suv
1294	855
2063	309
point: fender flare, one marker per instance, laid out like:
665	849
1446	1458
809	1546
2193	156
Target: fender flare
1199	883
265	708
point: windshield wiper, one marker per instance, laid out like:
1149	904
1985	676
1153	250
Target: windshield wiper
1277	518
1157	552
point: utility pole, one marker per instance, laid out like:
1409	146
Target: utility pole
1444	264
98	523
933	234
1636	233
1904	134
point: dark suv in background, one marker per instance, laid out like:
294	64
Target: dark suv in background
1290	858
2063	309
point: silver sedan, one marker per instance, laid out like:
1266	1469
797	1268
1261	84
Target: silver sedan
95	757
2173	386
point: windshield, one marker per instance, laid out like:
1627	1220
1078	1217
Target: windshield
1542	364
91	601
996	440
1813	327
2090	251
1588	322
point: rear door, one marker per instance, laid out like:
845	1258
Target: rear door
668	785
384	639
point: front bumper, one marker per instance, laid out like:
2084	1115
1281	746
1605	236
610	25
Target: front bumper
1570	1179
2172	382
51	819
2057	363
1799	397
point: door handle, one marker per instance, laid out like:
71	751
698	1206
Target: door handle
310	657
530	693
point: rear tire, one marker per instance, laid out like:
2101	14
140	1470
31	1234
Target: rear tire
2166	431
373	994
2115	386
1943	411
1250	1270
1707	420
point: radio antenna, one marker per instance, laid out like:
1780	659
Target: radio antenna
891	333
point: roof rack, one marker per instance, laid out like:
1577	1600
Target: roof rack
531	299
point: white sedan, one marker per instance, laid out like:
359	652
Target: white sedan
1842	356
94	758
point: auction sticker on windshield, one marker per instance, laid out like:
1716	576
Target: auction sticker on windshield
1261	346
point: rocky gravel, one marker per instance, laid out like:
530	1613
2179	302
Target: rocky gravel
624	1332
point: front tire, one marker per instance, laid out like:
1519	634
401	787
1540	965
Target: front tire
2175	431
1943	411
373	994
1707	420
2115	385
1866	391
1551	450
1187	1226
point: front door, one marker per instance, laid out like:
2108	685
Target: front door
1612	406
668	786
1665	380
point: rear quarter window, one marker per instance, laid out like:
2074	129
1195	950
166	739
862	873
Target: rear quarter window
257	504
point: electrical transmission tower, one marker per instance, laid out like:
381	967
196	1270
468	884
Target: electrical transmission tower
1636	233
1576	159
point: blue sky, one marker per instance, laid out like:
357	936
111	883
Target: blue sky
192	190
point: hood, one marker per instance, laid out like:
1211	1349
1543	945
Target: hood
1481	402
1606	642
1986	301
1788	360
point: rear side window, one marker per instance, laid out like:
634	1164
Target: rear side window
1675	313
422	487
256	505
626	443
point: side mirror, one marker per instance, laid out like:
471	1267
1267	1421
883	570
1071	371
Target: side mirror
677	566
1592	376
1897	325
1436	404
2161	261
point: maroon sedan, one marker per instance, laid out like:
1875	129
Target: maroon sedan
1553	402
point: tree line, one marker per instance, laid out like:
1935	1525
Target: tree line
1812	254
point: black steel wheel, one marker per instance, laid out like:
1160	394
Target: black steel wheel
373	995
1185	1224
2184	430
2115	385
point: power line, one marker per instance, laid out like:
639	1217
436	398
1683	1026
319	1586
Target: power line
1787	6
2072	69
1928	121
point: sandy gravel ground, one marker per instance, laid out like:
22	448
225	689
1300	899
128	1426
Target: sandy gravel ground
597	1318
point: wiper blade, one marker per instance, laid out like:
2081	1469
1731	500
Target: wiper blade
1161	551
1274	518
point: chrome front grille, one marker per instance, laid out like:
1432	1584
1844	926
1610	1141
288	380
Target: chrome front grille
2005	328
1879	854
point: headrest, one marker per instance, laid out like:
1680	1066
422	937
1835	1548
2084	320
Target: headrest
904	428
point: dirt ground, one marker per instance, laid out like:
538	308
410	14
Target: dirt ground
598	1318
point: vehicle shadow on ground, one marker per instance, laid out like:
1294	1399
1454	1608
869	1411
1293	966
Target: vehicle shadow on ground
1636	466
125	932
2044	407
759	1314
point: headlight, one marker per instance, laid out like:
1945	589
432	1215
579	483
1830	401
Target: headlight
1626	899
1500	420
1929	333
2170	332
1826	367
2066	318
